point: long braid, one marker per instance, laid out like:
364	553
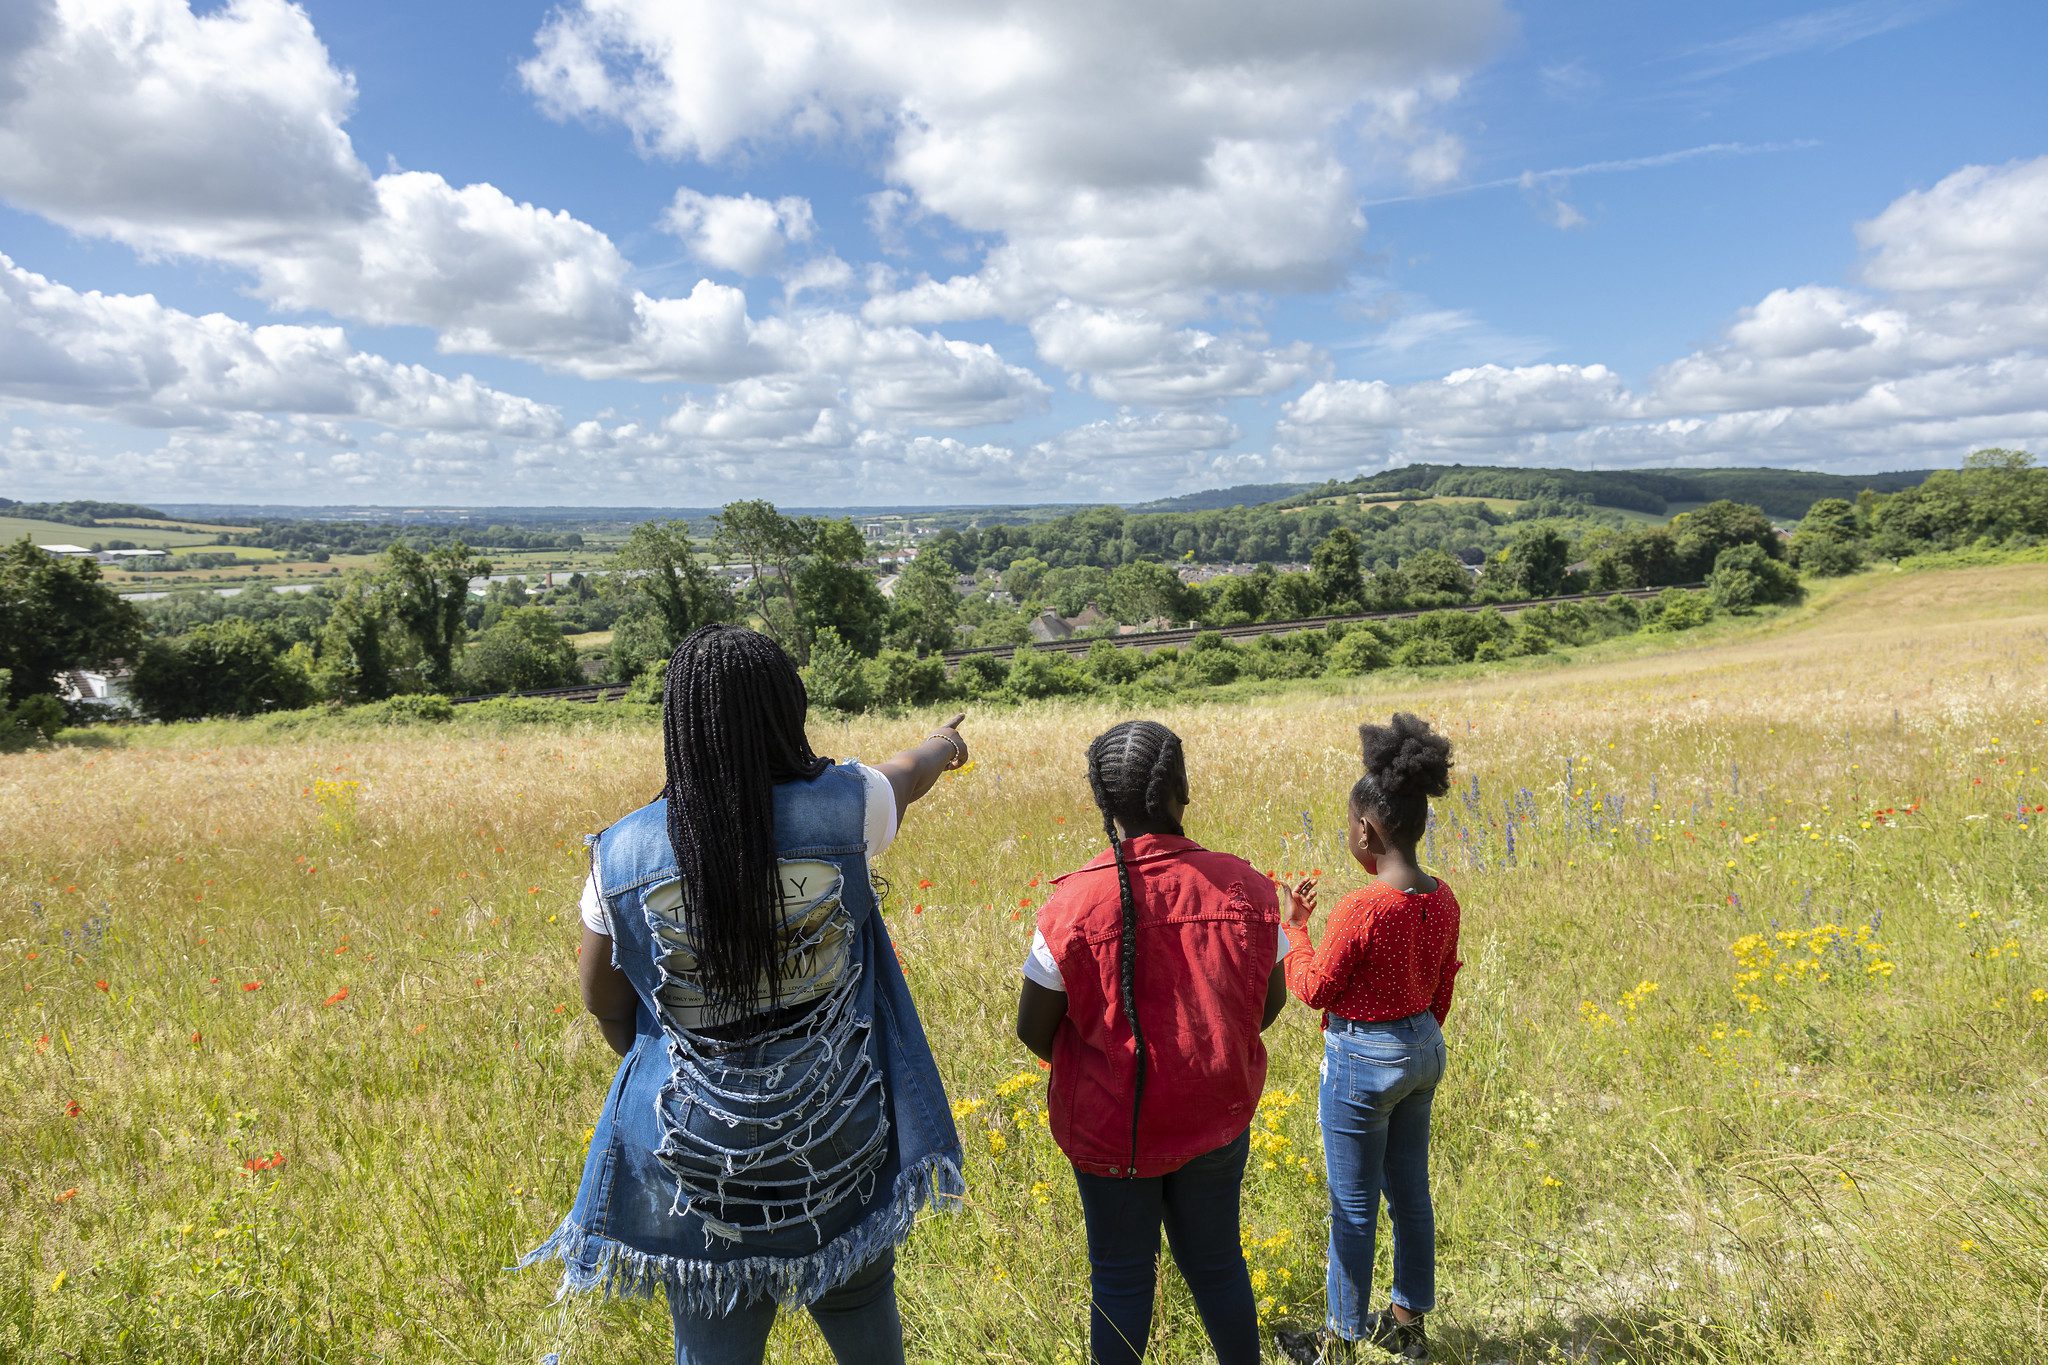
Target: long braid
1133	770
732	727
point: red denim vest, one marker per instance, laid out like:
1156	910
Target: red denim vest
1208	927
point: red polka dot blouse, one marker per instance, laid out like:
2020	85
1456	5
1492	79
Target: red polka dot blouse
1385	954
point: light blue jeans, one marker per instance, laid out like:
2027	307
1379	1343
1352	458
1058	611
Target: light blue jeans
858	1320
1378	1082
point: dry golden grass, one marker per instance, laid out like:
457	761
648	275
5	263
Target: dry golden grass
1843	1165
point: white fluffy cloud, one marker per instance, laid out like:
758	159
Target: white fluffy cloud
241	157
173	131
742	234
1130	356
133	358
1948	353
1019	120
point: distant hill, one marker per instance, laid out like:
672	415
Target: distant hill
1782	493
1209	500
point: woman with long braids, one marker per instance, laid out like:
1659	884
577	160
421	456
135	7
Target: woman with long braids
1154	970
777	1121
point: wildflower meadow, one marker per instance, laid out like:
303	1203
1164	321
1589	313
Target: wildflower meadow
1747	1059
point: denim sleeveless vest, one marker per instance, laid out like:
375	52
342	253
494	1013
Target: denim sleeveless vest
781	1165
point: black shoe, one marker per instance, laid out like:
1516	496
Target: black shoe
1405	1340
1314	1348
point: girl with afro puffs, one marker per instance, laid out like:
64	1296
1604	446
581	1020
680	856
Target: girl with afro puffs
1382	975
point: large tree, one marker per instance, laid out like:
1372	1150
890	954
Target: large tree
429	593
833	589
56	614
1337	573
925	608
658	569
755	534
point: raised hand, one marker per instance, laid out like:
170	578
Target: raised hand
1301	901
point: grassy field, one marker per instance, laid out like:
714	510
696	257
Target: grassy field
1747	1056
61	533
211	528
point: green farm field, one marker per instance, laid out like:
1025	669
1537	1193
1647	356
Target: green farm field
1749	1059
60	533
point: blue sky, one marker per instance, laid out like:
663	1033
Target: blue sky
901	251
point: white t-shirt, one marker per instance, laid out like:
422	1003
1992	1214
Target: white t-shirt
880	833
1040	967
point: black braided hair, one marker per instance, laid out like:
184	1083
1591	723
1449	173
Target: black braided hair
732	722
1406	763
1134	769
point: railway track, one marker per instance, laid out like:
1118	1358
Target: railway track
1148	640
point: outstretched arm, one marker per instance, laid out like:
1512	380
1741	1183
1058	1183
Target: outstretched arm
913	771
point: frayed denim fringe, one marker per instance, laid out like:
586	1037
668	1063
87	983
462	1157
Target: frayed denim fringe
714	1288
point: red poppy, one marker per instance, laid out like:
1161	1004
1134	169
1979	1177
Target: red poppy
68	1195
924	884
195	1039
99	985
71	1109
252	985
337	997
917	909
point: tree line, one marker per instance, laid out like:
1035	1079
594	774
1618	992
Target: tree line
413	626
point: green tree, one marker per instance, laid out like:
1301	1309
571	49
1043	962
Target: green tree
754	533
1531	566
925	607
1025	577
1433	578
1698	538
1336	573
658	569
227	668
353	663
56	614
1744	578
1035	674
833	589
1142	591
428	595
900	678
524	650
836	677
24	722
1358	653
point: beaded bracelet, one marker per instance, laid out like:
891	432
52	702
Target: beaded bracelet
959	750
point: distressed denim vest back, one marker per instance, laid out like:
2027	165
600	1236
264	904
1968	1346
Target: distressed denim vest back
780	1165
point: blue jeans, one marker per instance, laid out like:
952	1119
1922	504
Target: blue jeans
1198	1204
1378	1081
858	1320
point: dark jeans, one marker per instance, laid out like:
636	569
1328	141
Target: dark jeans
1198	1205
858	1321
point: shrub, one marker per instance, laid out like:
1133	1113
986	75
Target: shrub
980	675
1210	666
1034	675
836	677
899	678
1825	557
24	722
1109	663
1358	653
417	707
523	651
231	667
1745	578
1675	609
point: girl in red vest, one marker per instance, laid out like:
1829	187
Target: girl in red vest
1382	975
1154	970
